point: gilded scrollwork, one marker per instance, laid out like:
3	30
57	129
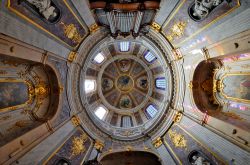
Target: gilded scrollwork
156	26
177	139
99	145
75	121
157	143
177	30
71	32
78	144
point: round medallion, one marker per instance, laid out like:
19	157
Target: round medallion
124	83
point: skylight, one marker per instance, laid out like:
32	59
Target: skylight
101	112
149	57
99	58
160	83
89	85
124	46
151	111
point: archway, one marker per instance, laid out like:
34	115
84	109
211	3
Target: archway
130	158
29	96
221	89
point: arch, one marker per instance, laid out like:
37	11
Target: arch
221	89
26	78
130	157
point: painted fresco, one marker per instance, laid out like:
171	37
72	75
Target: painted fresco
13	94
237	87
185	149
73	149
184	25
54	17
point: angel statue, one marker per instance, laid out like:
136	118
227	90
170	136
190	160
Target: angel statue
44	7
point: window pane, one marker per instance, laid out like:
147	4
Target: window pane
101	112
149	57
89	85
151	111
124	46
99	58
126	121
160	83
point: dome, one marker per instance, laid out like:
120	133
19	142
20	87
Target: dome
123	86
123	82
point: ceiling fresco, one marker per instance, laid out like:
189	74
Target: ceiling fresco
124	95
127	78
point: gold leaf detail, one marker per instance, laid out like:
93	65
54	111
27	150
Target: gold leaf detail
78	144
177	139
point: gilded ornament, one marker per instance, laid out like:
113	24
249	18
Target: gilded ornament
72	56
75	121
93	28
177	117
177	30
157	143
129	148
71	32
178	140
78	144
177	53
190	84
99	145
42	91
155	26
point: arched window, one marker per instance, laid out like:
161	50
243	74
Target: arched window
101	112
151	111
99	58
89	85
126	121
160	83
124	46
149	57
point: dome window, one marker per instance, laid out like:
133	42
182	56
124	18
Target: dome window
99	58
151	111
126	121
124	46
149	57
160	83
101	112
89	85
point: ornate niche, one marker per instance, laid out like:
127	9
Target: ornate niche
27	98
55	18
221	89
